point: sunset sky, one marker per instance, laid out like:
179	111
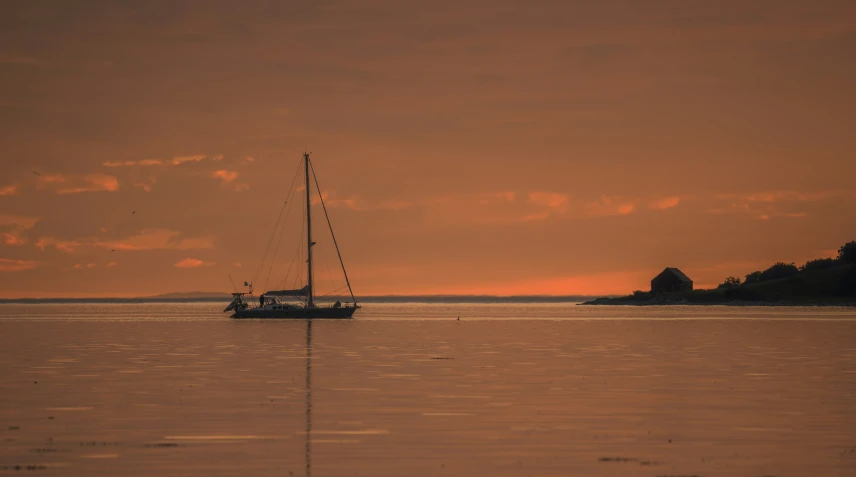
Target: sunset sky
474	146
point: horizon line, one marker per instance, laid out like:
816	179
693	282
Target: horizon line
215	296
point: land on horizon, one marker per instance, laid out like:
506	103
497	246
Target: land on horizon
823	281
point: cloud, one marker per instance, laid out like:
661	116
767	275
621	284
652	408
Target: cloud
227	178
13	226
146	239
606	206
224	175
11	239
664	203
143	162
9	190
18	222
359	204
157	239
52	179
766	205
10	265
784	196
548	199
111	264
93	183
770	215
192	263
776	196
67	246
145	184
248	160
178	160
175	161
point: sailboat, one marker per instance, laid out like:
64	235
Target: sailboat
299	303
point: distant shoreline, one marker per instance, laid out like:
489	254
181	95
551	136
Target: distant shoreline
735	303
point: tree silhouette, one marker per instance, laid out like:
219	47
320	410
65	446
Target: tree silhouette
847	252
730	282
779	270
819	264
753	277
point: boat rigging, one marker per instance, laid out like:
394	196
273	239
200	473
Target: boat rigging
296	303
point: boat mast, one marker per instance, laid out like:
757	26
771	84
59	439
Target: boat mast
309	244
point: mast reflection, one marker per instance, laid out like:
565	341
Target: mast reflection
308	397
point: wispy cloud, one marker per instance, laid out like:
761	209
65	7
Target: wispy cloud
67	246
9	190
52	179
192	263
144	183
766	205
769	215
175	161
87	183
224	175
549	199
360	204
147	239
227	179
606	206
12	239
664	203
157	239
14	226
11	265
19	222
178	160
142	162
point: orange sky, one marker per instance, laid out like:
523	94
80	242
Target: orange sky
554	147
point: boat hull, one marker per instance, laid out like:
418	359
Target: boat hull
297	313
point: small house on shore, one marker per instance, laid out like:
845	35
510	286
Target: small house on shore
671	280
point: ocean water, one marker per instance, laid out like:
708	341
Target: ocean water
408	390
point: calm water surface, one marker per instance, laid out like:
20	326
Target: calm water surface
407	390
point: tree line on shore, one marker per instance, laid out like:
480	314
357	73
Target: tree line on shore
846	256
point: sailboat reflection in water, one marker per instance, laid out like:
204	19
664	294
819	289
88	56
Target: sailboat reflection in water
299	303
308	456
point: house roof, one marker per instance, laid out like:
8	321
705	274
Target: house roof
677	273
